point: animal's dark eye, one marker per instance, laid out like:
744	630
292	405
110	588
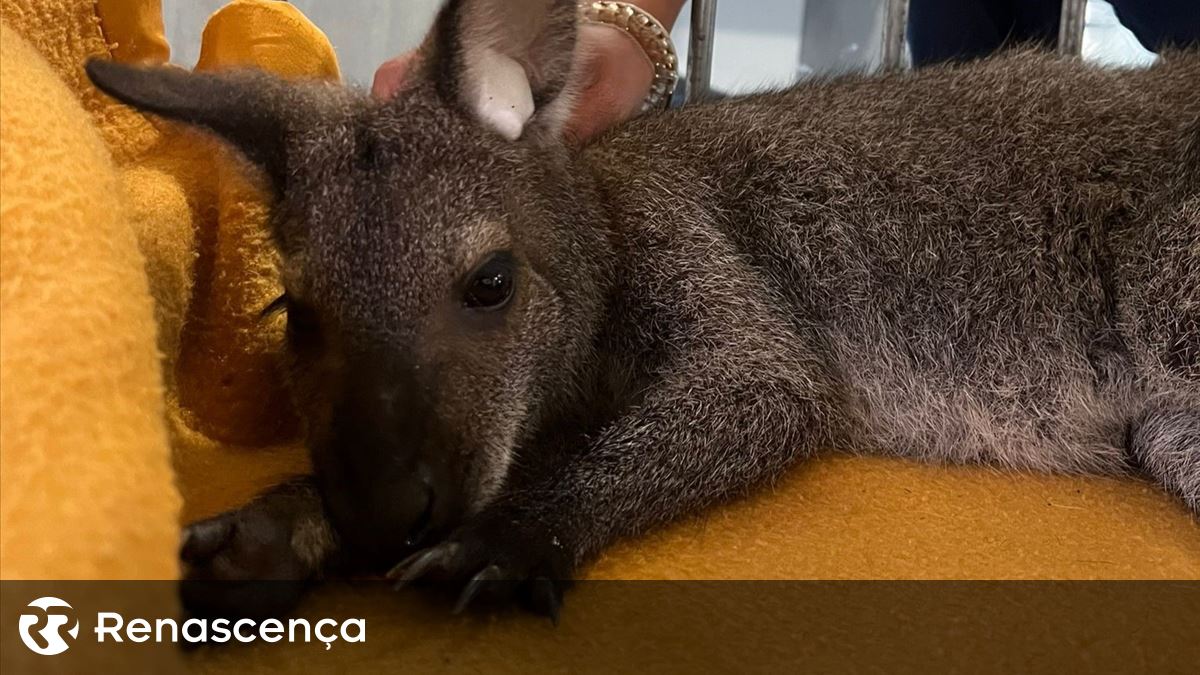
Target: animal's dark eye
301	319
490	286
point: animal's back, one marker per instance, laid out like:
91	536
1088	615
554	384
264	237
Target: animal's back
971	241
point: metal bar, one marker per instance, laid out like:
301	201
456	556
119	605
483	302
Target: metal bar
895	24
700	47
1070	27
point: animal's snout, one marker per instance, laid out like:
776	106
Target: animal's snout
384	476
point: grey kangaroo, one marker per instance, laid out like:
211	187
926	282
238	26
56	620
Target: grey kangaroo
509	351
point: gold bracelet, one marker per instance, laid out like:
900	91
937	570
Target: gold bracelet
650	34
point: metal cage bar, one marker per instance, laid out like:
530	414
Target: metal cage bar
1070	27
700	47
895	26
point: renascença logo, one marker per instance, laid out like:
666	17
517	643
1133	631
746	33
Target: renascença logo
42	630
52	623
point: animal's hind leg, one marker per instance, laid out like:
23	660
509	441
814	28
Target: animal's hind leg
1162	315
1165	440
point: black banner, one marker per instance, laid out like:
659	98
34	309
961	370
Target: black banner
657	626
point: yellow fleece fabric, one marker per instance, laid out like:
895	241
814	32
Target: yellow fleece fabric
86	422
85	475
205	268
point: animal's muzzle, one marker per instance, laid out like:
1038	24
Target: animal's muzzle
383	474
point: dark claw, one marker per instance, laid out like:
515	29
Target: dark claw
416	565
545	597
202	540
486	575
413	567
399	567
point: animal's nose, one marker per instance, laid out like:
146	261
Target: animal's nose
434	505
388	470
372	498
419	530
379	518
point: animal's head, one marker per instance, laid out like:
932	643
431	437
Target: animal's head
444	269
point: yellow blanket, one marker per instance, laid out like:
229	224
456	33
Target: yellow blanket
138	388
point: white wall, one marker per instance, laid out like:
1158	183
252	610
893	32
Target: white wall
363	32
758	42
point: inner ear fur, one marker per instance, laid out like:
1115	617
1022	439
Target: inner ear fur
508	63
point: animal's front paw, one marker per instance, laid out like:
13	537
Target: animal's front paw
249	562
498	559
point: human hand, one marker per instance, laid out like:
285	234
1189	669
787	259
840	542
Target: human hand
616	77
391	75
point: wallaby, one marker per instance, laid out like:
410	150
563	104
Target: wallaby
509	352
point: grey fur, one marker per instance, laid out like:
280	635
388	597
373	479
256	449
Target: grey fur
995	263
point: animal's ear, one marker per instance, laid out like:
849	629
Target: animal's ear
247	108
509	63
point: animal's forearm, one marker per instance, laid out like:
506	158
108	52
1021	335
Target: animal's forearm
689	444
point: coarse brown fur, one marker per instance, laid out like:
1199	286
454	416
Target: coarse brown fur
995	262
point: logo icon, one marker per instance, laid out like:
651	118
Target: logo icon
48	639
